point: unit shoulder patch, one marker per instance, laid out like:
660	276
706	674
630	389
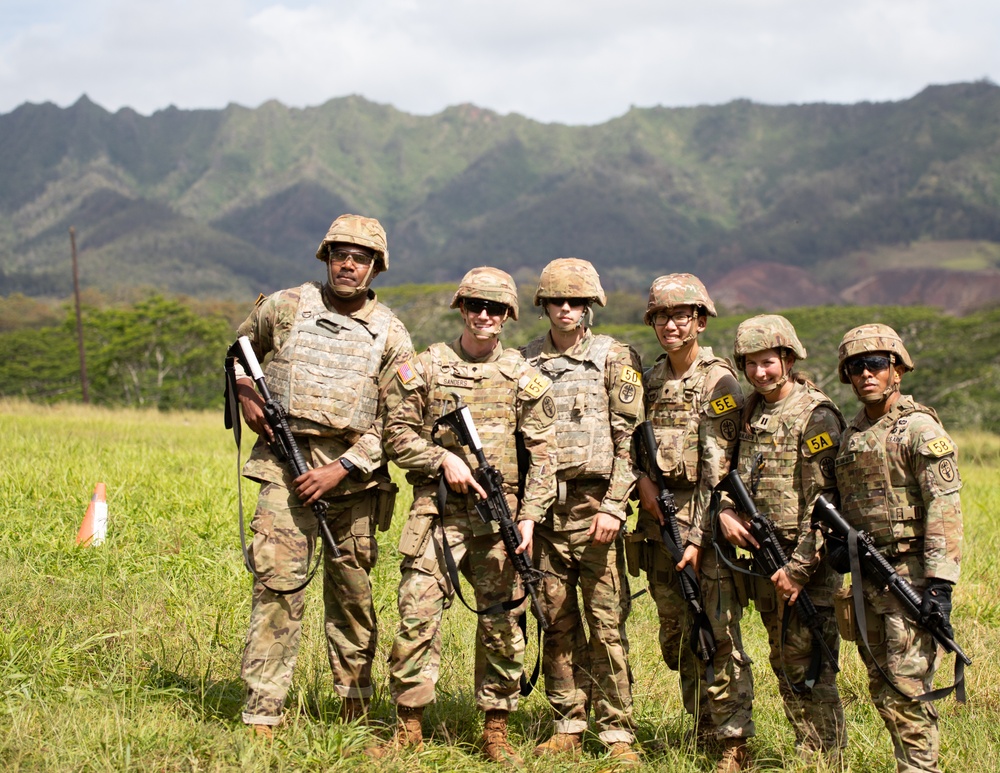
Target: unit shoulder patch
630	375
537	386
938	447
818	443
723	404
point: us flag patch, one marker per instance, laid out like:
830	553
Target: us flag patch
405	373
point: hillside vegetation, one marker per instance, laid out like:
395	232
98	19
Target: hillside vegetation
227	203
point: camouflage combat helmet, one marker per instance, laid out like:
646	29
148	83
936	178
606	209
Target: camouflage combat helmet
363	231
677	290
765	331
865	339
570	278
490	284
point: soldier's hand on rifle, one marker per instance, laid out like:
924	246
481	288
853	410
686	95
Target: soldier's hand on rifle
735	529
527	529
314	484
647	498
692	558
458	475
253	408
604	528
788	590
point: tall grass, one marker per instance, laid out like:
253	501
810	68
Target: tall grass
127	656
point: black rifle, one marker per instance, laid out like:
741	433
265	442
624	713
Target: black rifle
284	446
770	557
871	564
702	638
494	507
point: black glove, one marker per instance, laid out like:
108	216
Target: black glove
936	607
837	554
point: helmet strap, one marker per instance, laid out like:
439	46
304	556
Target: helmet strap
348	293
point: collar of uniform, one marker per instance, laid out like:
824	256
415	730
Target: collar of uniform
704	354
578	351
456	346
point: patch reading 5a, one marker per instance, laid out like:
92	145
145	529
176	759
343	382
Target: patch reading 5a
819	442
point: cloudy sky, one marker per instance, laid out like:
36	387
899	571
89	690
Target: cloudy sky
572	61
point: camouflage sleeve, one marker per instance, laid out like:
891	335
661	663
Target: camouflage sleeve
718	429
623	381
935	467
536	413
817	475
268	325
366	453
406	402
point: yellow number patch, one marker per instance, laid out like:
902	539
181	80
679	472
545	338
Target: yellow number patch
723	405
819	442
537	386
631	376
940	447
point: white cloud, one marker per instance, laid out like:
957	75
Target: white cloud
579	62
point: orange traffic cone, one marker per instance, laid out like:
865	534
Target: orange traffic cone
94	528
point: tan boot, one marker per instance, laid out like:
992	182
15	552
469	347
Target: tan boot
622	753
735	756
353	709
409	735
496	747
263	731
560	743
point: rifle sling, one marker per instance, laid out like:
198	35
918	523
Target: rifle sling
861	620
526	684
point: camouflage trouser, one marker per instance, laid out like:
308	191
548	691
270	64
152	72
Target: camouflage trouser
726	703
577	670
817	715
425	592
284	541
910	656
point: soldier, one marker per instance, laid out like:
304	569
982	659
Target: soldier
898	478
597	388
505	396
693	400
788	441
335	348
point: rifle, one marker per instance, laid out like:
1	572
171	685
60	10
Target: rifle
284	445
702	640
770	557
494	507
870	563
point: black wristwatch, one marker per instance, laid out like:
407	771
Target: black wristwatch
348	465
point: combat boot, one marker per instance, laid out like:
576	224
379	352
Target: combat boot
409	735
353	709
560	743
735	756
496	747
263	731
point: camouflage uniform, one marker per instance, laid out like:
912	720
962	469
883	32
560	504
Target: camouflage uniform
333	388
694	417
504	394
598	393
899	481
797	438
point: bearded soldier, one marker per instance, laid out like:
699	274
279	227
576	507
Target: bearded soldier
788	440
598	394
693	400
335	348
504	395
898	479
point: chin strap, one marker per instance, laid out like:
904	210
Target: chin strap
347	293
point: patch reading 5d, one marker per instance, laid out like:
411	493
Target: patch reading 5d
631	376
537	386
819	442
940	447
723	404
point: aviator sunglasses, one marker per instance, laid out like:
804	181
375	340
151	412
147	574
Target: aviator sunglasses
873	363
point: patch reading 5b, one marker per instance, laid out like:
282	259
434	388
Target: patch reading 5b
940	447
724	404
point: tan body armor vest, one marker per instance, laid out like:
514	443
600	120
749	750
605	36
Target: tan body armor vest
489	389
326	373
583	424
777	437
893	516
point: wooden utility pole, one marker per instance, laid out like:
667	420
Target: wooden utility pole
79	319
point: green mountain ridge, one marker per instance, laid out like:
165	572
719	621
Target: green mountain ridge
231	202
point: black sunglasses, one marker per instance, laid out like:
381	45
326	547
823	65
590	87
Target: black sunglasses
873	363
476	306
574	303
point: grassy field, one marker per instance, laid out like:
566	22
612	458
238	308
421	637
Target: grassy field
127	656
